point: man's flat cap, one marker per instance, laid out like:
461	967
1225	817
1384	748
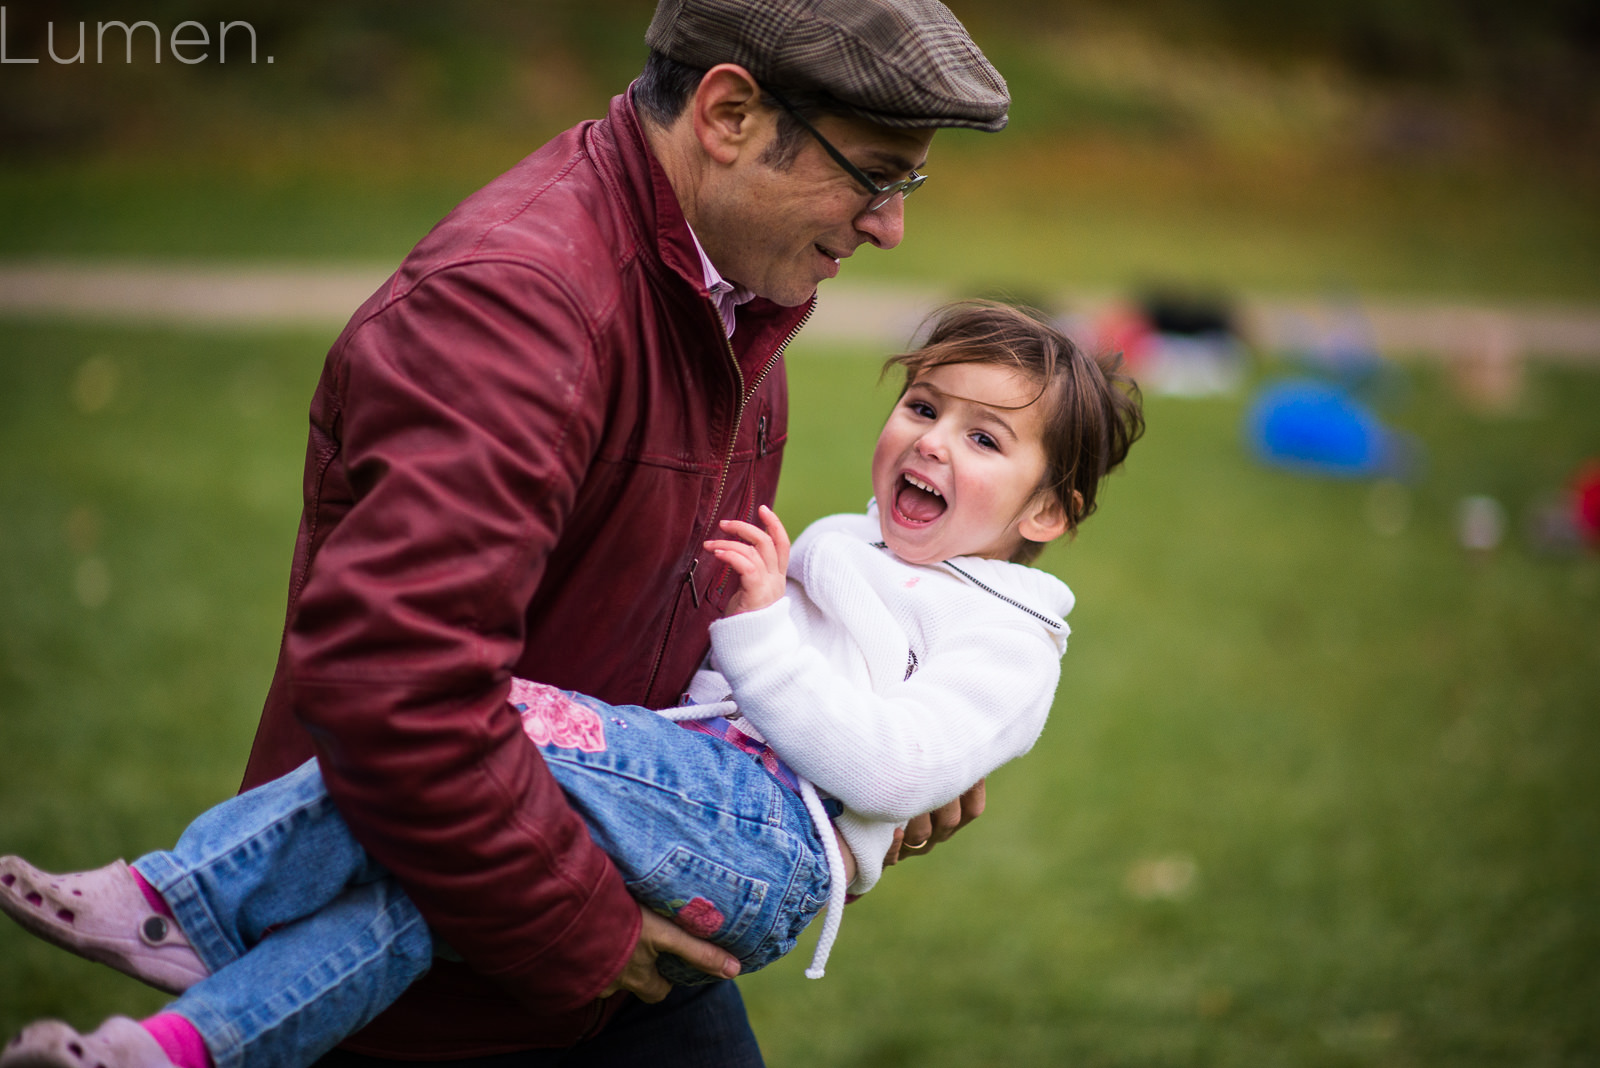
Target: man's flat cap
907	63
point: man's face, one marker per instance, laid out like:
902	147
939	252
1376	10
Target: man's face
781	232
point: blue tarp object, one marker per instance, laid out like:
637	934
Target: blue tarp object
1317	428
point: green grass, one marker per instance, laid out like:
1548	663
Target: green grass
148	502
1039	217
1310	795
1374	751
1043	217
151	212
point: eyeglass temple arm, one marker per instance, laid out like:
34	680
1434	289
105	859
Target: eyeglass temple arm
872	188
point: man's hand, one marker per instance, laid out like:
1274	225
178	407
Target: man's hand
658	935
761	559
927	831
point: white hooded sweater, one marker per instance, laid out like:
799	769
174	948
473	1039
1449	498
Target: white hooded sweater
891	686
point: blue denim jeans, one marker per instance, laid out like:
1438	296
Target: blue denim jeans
308	938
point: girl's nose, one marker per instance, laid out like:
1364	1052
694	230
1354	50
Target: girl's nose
932	445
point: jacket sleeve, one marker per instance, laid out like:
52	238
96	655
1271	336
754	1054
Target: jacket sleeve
466	419
980	700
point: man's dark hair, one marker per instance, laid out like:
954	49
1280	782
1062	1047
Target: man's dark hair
665	87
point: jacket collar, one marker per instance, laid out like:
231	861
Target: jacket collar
762	324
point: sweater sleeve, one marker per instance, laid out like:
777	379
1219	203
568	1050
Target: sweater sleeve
978	700
463	433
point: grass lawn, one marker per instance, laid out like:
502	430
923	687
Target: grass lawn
1311	794
1032	216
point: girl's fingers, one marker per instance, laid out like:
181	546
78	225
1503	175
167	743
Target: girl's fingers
779	536
747	531
737	554
776	557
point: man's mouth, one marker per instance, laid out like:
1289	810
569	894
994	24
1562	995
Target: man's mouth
828	253
917	501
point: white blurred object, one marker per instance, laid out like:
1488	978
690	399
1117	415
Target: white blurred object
1202	365
1480	524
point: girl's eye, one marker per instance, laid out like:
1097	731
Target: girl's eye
985	441
922	408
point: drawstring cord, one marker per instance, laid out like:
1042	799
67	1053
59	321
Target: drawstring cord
836	880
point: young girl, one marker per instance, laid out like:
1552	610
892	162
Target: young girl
876	671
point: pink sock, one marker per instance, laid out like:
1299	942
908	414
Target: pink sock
178	1038
156	901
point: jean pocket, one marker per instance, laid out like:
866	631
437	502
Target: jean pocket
703	897
810	895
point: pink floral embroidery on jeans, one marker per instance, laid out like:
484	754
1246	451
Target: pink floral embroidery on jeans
700	918
550	717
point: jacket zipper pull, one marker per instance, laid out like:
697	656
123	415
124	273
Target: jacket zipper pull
761	437
689	578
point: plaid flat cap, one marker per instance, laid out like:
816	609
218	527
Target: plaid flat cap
905	63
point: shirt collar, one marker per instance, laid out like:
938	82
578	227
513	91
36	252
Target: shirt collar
724	294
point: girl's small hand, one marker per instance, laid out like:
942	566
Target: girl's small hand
761	559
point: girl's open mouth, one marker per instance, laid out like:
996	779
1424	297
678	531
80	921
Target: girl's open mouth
918	502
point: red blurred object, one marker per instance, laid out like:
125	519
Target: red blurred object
1124	328
1586	501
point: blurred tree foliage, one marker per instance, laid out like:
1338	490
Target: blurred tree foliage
390	61
1533	66
1537	59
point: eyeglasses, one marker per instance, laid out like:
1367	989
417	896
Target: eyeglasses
879	194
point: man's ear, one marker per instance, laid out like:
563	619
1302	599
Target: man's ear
727	112
1046	519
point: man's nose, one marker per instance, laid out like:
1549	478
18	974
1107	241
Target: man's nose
886	226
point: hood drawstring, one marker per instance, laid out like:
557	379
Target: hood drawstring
836	879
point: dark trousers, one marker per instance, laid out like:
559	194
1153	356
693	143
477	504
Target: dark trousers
695	1027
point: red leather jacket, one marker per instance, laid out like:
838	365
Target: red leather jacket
517	447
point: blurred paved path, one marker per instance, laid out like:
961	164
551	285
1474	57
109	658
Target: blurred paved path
323	297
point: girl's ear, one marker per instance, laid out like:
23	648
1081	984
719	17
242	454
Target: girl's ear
1046	519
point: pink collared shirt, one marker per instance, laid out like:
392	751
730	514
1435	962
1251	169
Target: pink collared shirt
724	294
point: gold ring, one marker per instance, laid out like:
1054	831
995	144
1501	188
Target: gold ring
916	847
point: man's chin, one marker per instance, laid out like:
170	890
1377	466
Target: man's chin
789	298
799	293
797	302
786	293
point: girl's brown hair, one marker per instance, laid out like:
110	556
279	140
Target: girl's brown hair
1093	411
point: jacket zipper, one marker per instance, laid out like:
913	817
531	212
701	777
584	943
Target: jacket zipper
727	464
694	590
1040	616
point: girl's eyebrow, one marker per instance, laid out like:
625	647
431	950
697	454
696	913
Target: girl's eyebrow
986	413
